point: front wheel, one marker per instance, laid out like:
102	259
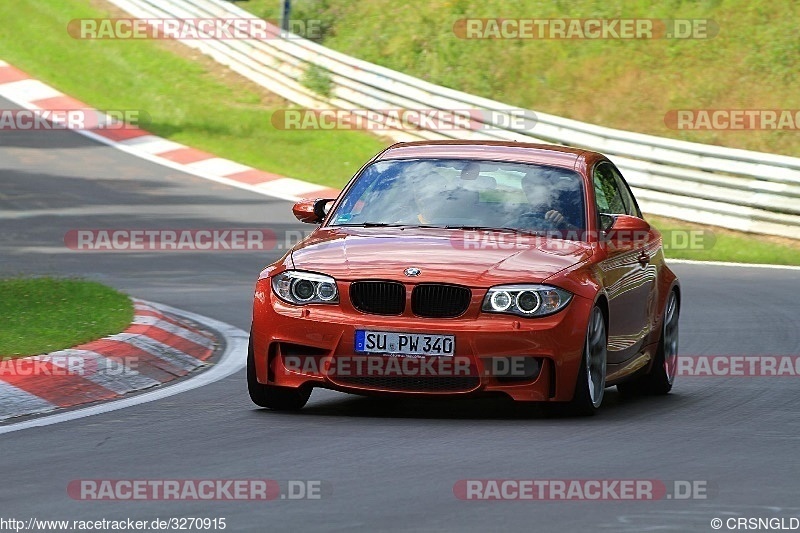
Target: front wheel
591	382
659	380
271	396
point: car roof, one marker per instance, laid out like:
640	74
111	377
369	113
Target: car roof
544	154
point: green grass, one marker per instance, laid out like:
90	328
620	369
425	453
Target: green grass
629	84
185	100
684	240
318	80
41	315
751	63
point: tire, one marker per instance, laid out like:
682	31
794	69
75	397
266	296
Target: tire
659	379
591	380
270	396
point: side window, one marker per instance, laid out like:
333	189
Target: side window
607	191
630	204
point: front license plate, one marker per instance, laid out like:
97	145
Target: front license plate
389	342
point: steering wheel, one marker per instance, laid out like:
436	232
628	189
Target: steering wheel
535	221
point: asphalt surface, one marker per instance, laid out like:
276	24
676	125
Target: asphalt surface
385	465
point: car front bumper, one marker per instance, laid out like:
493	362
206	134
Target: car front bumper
527	359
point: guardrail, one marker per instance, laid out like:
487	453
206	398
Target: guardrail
738	189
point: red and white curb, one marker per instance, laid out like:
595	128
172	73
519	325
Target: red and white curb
158	347
19	88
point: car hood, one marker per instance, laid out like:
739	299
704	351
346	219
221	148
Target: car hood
477	259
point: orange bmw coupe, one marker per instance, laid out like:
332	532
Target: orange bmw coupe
458	268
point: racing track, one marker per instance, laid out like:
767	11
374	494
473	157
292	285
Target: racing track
390	465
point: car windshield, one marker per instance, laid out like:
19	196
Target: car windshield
465	194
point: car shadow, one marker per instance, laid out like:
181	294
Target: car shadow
615	407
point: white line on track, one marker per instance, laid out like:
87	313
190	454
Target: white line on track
15	98
183	168
232	360
729	264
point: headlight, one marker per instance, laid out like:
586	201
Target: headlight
525	300
300	288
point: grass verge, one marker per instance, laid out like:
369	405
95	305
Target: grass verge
743	56
40	315
190	98
685	240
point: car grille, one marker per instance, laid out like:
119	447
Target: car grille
437	300
412	384
378	297
430	300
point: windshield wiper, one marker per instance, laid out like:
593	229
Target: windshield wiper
501	228
468	228
370	225
386	225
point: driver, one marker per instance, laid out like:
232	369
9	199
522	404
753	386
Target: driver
543	197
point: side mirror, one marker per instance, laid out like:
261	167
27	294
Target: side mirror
606	221
625	230
312	211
